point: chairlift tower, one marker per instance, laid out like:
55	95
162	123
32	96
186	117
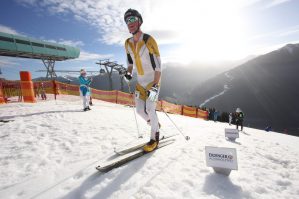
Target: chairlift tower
49	64
109	67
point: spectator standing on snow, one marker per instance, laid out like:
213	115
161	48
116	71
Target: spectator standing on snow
43	92
239	118
84	89
230	118
216	113
268	128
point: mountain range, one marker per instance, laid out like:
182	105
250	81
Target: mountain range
265	88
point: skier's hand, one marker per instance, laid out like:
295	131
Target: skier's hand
128	76
122	71
153	93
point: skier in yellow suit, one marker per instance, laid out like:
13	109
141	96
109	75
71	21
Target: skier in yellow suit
144	58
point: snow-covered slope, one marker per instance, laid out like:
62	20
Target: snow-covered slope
50	150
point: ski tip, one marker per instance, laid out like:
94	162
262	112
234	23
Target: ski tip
101	169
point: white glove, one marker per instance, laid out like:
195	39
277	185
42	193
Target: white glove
153	93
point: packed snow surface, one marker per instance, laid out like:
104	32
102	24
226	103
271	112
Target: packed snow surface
50	150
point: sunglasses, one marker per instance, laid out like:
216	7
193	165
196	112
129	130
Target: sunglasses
131	19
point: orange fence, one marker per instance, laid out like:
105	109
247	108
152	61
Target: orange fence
13	88
125	98
202	114
2	101
108	96
189	111
159	106
66	89
171	108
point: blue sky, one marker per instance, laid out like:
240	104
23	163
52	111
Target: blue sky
186	30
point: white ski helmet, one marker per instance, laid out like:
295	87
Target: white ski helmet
82	71
238	110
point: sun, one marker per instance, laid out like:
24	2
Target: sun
207	30
218	33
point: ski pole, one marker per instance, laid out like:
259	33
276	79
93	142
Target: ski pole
139	135
90	97
186	137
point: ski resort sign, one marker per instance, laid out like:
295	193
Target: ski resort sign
232	134
223	160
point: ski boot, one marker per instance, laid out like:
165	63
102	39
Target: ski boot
86	109
152	144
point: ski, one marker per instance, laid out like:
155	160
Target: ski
5	121
132	147
129	157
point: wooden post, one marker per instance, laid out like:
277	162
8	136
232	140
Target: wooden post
55	90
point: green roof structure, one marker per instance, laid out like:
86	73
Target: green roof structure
18	46
49	52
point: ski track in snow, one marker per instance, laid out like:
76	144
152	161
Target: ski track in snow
225	89
51	149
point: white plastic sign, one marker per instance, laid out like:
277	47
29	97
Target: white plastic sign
231	133
220	157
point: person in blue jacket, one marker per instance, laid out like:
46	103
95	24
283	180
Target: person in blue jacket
216	113
84	89
268	128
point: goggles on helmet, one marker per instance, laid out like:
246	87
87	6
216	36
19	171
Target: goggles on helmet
131	19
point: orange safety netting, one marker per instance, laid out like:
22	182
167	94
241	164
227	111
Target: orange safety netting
67	89
2	101
189	111
13	88
48	86
108	96
159	106
202	114
125	98
171	108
